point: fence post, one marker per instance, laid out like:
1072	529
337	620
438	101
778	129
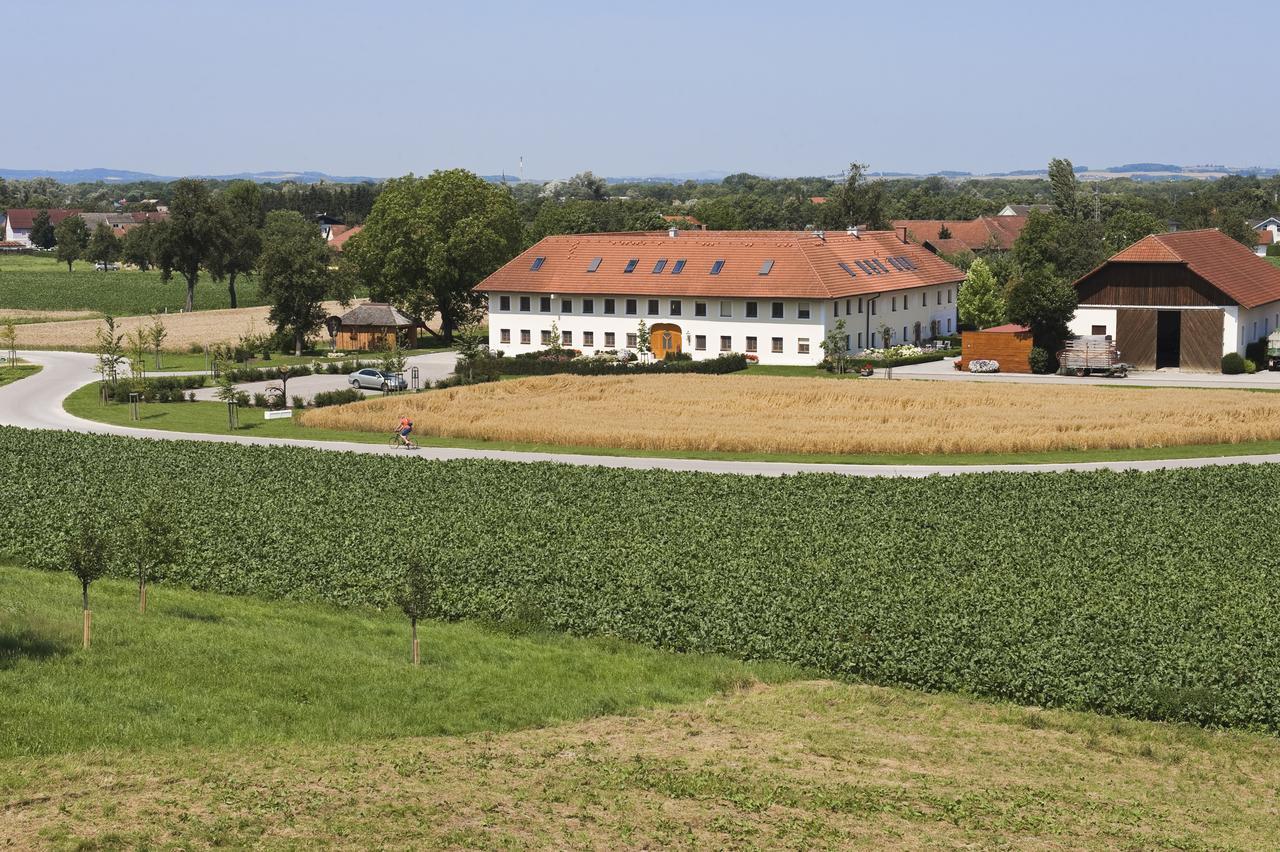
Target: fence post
133	406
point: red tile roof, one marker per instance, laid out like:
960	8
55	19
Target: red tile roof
804	265
985	232
1265	237
23	218
339	239
678	218
1230	266
1010	327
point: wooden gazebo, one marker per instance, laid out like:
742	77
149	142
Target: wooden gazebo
374	325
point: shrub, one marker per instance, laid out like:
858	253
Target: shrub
195	349
604	365
298	402
1249	367
1039	360
1232	364
259	400
1256	351
337	397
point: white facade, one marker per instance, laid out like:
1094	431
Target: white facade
776	331
1240	326
16	235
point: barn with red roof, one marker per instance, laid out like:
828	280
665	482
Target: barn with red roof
1180	300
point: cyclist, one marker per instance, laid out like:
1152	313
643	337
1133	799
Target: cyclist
403	430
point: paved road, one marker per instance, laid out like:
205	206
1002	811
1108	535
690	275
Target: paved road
36	403
432	366
945	371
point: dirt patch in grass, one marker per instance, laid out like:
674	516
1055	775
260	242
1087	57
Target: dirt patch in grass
798	765
798	416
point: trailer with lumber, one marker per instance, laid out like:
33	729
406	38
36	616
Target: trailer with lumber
1091	354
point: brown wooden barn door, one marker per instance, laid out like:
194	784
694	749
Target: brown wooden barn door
1136	337
1202	341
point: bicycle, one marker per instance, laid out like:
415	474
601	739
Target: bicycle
396	442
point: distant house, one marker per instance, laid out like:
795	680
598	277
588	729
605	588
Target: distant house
955	236
1024	209
18	223
374	325
1180	300
339	234
327	224
817	199
1268	230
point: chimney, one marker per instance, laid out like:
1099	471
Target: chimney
904	235
853	232
822	235
672	232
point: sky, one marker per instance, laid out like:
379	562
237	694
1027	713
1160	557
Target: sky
365	87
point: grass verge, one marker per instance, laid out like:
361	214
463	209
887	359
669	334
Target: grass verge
800	765
211	418
205	669
14	372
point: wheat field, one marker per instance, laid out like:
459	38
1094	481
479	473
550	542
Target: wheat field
185	329
783	415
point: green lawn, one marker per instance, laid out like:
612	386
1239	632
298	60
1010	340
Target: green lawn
214	721
14	372
205	669
42	284
192	361
211	417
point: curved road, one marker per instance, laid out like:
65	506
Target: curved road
36	403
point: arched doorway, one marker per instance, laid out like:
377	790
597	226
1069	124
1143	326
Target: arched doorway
665	337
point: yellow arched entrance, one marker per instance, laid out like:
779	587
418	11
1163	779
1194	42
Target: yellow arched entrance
664	337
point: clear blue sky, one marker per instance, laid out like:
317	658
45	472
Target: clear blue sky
383	88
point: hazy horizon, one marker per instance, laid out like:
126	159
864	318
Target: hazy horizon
176	89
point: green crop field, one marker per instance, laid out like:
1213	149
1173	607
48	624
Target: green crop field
42	284
1148	594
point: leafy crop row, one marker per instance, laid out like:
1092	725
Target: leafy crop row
1155	594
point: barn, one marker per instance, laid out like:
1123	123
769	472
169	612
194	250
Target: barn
1180	300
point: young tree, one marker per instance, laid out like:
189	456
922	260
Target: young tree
42	235
156	335
109	347
429	241
192	238
137	246
153	547
242	223
9	341
834	347
979	303
104	245
137	342
556	341
1044	303
1065	188
295	277
643	343
72	235
87	557
413	591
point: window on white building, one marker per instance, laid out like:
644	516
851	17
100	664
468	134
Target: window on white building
751	344
588	338
652	307
631	340
546	337
675	307
524	303
777	310
859	340
726	309
588	306
802	346
699	309
835	308
566	306
631	307
566	338
700	342
504	336
948	325
775	345
544	304
726	343
752	310
893	305
610	340
525	337
948	295
609	306
504	303
802	310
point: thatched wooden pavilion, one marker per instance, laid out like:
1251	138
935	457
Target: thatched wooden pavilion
375	325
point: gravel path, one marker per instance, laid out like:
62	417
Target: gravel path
36	403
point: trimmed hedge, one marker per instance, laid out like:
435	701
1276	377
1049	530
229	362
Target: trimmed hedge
1102	591
526	365
336	397
881	363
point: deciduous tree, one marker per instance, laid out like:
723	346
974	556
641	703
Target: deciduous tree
87	557
72	235
1065	188
429	241
191	239
412	595
137	246
1059	246
979	303
104	245
153	546
42	235
242	223
294	268
1045	303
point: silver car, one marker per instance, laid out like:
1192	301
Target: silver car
372	379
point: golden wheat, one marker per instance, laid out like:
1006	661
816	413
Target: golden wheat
780	415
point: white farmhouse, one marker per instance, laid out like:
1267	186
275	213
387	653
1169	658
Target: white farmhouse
770	294
18	223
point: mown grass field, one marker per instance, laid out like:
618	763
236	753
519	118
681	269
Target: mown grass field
797	416
42	284
13	372
218	721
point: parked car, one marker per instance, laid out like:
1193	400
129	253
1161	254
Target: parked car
106	267
377	380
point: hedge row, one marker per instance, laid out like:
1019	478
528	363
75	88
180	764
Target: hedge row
533	366
1107	591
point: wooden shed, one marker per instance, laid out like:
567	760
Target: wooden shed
1008	345
375	325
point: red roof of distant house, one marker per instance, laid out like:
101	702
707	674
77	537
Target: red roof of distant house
149	216
679	218
1011	327
1265	237
817	199
804	265
985	232
339	239
1226	264
23	218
